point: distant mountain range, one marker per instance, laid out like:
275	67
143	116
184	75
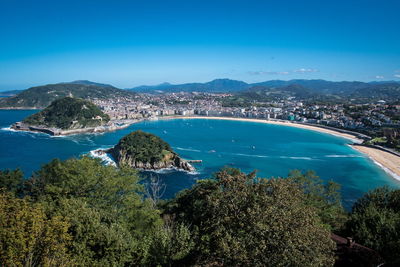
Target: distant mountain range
227	85
218	85
42	96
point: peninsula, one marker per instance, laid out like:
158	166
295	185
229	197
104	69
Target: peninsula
141	150
69	116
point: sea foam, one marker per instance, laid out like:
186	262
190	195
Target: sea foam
106	158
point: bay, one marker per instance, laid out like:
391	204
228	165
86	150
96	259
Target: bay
272	150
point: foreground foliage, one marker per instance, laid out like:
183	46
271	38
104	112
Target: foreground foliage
80	213
375	222
240	220
30	238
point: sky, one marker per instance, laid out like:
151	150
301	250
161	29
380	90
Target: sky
131	43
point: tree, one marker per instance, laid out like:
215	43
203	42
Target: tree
155	189
325	197
375	222
28	237
111	223
11	180
241	220
171	243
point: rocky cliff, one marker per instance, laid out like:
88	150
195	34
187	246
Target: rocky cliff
146	151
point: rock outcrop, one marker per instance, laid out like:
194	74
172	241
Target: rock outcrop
146	151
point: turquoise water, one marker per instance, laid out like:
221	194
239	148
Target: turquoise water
271	149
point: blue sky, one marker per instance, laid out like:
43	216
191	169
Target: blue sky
129	43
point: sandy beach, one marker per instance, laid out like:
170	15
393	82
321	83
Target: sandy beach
389	162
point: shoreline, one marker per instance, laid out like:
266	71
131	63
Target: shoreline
388	162
105	155
114	126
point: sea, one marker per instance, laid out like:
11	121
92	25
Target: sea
271	150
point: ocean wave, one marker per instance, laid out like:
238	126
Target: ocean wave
301	158
80	140
26	133
170	170
187	149
343	156
394	175
9	129
105	157
250	155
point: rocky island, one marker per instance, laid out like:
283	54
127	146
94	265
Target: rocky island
69	116
141	150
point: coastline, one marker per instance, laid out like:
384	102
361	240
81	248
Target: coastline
387	161
390	163
106	156
111	126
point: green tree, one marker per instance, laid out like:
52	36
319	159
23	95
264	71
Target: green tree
325	197
111	223
375	223
28	237
171	243
241	220
12	180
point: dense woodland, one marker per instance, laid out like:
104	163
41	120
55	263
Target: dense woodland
68	112
144	147
79	212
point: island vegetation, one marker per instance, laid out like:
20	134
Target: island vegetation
147	151
68	113
79	212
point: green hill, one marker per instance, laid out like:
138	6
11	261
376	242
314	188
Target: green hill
69	113
42	96
147	151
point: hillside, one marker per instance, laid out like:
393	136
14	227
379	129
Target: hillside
68	113
147	151
387	92
42	96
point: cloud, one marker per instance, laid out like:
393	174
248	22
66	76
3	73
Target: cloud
303	70
379	77
397	75
397	71
268	72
